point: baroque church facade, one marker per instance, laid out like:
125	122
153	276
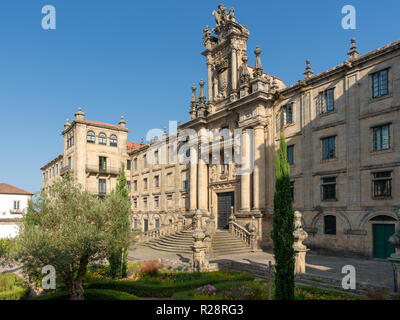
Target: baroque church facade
341	128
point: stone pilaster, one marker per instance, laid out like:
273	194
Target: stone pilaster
245	174
259	168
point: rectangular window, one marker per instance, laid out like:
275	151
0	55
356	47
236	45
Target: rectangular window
135	185
157	181
128	164
128	185
144	161
382	185
69	163
381	137
102	164
287	114
290	151
157	223
380	83
330	224
135	204
329	100
145	183
186	184
145	203
16	205
329	188
102	186
135	163
156	158
135	223
328	148
156	202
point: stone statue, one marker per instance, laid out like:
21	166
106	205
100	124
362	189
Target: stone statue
231	16
206	33
300	249
220	15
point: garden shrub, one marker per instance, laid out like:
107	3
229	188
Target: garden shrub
151	269
12	287
91	294
151	287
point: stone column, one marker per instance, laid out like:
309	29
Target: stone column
259	168
202	193
234	69
298	246
193	187
245	174
395	257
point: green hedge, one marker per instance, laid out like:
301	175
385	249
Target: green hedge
12	287
156	290
91	294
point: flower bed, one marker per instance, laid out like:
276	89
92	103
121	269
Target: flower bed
165	285
256	290
12	287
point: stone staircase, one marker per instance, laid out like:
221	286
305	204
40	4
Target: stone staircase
181	242
225	244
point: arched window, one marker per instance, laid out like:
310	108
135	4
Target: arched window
330	225
91	137
383	218
102	139
113	140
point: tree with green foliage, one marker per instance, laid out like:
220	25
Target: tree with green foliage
283	227
69	228
118	254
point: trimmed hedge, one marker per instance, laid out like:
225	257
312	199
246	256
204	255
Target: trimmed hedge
91	294
152	289
12	287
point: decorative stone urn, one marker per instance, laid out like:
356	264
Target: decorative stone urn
395	257
300	249
200	262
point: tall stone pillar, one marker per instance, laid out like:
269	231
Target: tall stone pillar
202	187
202	191
193	186
245	173
259	168
234	69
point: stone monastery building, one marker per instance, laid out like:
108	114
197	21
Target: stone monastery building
342	128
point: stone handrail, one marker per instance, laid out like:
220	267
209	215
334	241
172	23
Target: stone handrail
240	232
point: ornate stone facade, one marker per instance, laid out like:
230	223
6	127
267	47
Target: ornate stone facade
244	97
341	126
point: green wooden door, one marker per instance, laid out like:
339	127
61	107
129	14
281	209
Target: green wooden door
382	248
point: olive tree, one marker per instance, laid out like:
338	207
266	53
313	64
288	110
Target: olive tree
69	228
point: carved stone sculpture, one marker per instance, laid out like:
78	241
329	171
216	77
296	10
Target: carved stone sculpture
300	249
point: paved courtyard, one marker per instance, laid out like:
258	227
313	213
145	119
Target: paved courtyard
371	272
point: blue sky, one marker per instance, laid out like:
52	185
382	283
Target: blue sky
139	59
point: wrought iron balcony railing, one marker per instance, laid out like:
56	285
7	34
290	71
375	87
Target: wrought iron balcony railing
100	170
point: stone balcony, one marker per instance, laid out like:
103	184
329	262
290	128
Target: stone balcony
64	170
99	170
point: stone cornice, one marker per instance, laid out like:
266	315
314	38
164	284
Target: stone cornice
93	124
55	160
345	67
